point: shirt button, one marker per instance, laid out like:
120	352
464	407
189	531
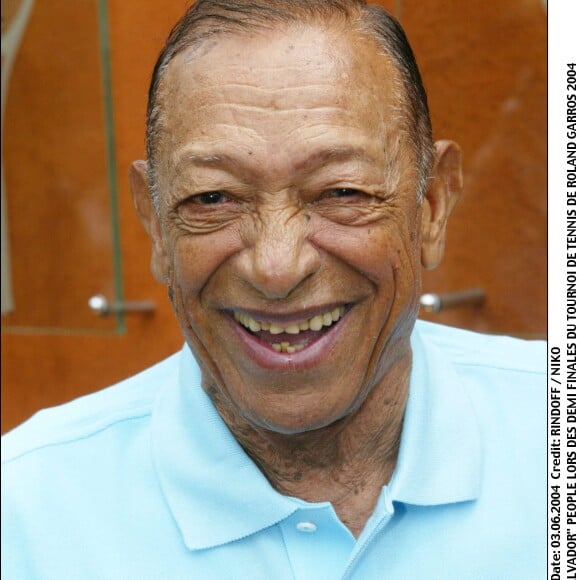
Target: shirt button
307	527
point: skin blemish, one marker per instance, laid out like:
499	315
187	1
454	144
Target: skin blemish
307	217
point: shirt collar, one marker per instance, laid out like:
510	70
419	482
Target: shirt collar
217	494
440	453
214	490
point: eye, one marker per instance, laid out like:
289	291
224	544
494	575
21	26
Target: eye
344	192
209	198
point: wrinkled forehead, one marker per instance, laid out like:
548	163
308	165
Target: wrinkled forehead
307	66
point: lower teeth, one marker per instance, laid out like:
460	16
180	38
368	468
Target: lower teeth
287	347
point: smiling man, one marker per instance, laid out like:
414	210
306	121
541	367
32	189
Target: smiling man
310	428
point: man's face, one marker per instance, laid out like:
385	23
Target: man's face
290	230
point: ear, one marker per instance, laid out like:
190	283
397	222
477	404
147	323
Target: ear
148	216
443	191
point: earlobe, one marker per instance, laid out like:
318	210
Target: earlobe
443	191
148	216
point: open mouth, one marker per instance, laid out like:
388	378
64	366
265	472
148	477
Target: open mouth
293	337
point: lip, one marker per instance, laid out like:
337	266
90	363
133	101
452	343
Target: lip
311	356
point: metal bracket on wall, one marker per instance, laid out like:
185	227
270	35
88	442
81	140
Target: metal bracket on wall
104	307
437	302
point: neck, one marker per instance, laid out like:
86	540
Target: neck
347	462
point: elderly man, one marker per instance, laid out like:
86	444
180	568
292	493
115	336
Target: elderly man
310	428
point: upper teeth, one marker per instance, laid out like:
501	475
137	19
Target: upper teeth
314	323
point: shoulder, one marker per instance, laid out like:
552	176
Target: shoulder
504	380
502	376
486	352
88	416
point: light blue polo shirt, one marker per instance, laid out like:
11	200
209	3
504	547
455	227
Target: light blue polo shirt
144	481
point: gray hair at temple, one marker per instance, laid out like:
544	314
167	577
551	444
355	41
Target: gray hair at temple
209	18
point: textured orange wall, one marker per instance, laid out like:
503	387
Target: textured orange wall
485	65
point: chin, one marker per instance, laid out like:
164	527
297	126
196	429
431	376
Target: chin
298	421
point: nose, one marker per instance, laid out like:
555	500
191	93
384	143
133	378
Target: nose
279	255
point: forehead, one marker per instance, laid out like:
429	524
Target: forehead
281	89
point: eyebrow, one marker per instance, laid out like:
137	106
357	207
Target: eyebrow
316	160
332	155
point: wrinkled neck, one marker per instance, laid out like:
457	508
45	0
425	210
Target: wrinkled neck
346	463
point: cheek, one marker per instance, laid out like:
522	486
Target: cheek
377	251
197	257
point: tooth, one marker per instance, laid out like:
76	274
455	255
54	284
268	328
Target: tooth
298	347
277	347
292	329
275	329
290	349
316	322
284	345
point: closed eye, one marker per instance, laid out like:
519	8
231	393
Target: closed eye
343	192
